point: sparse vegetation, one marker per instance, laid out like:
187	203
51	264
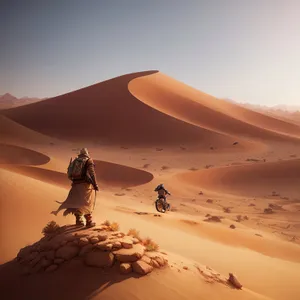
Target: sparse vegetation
106	223
150	245
134	233
114	226
51	228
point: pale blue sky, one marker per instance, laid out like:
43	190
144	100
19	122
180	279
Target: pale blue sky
248	51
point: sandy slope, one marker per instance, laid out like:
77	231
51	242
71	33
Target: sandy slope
179	100
160	112
96	114
257	179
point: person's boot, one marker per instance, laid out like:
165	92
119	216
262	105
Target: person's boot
89	221
79	221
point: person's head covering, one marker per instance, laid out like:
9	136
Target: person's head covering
84	151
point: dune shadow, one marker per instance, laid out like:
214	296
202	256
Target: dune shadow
73	280
21	156
108	174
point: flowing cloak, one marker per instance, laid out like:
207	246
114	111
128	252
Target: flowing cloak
81	197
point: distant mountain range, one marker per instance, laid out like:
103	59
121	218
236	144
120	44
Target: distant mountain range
8	101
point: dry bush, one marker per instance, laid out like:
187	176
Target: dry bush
114	226
134	233
150	245
106	223
51	228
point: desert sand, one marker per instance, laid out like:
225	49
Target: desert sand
233	174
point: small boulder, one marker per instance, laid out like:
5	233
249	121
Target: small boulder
83	241
94	240
232	226
86	249
99	259
127	243
58	261
51	268
146	259
268	210
210	201
154	264
142	268
102	236
117	245
125	268
67	252
130	255
234	282
213	219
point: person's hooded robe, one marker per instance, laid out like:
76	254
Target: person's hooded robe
81	197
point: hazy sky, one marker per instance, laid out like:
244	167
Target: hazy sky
248	51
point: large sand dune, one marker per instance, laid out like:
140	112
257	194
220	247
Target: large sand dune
258	179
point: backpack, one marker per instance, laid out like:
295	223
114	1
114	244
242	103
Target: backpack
76	169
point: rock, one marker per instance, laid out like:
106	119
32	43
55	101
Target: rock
246	218
232	226
252	204
200	193
83	241
235	143
99	259
213	219
63	243
86	249
117	245
234	282
127	243
44	263
268	211
125	268
24	252
146	259
67	252
109	247
209	201
185	268
130	255
135	240
158	257
35	261
58	261
239	218
94	240
102	236
275	206
51	268
50	255
142	268
154	264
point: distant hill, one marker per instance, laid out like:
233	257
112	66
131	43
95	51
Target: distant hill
9	101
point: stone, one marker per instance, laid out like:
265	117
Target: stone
94	240
158	257
50	255
146	259
154	264
109	247
232	226
142	268
67	252
213	219
130	255
83	241
24	252
58	261
99	259
234	282
85	249
51	268
268	211
117	245
209	201
135	240
127	243
44	263
102	236
125	268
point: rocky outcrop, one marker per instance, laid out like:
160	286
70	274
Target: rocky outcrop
96	247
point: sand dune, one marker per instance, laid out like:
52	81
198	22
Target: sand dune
18	155
258	179
13	133
108	113
108	175
195	107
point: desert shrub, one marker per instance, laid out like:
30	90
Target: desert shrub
114	226
106	223
51	228
134	233
150	245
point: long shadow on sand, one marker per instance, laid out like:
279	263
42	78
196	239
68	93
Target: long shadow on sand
73	281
